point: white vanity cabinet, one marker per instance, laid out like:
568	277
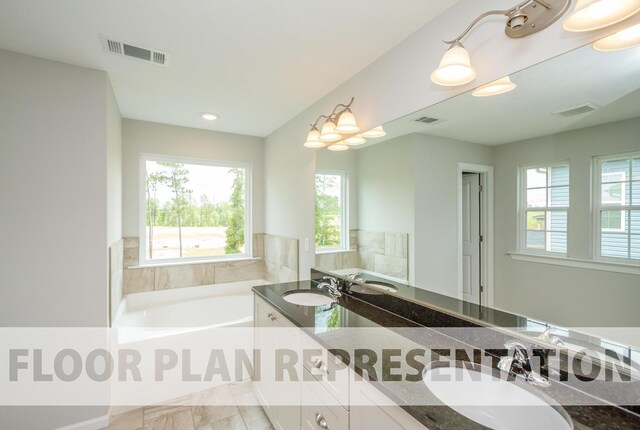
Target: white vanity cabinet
281	400
370	409
331	396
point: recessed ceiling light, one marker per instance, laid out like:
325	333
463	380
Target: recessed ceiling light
209	116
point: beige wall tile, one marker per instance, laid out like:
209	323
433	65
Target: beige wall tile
396	244
329	261
139	280
371	241
234	271
286	274
391	266
350	260
188	275
258	245
131	252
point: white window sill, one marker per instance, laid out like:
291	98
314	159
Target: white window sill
190	262
604	266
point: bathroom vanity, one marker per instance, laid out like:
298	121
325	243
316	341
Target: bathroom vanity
341	391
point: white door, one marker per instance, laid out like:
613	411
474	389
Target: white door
471	238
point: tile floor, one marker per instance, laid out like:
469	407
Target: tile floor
196	412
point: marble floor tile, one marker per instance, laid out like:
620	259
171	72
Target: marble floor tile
255	418
234	422
182	420
213	405
171	407
131	420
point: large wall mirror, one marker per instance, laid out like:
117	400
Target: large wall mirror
526	201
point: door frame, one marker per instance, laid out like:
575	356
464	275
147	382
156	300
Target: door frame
486	229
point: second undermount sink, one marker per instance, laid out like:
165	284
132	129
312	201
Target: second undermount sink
491	401
308	297
374	288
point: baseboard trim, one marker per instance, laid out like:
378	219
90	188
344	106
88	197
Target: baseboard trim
92	424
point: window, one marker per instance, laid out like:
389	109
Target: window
332	232
618	207
193	209
544	208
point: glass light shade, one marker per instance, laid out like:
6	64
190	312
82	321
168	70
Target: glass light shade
329	133
340	146
374	133
501	86
347	123
355	140
595	14
455	68
623	39
313	139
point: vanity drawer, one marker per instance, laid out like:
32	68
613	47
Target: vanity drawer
319	411
326	369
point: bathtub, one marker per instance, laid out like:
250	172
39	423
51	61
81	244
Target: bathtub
153	314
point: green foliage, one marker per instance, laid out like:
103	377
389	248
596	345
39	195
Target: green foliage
235	228
328	213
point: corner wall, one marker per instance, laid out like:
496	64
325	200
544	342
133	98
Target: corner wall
53	185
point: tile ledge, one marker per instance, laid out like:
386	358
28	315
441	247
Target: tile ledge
604	266
189	263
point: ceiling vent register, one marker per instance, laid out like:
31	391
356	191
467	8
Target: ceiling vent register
137	52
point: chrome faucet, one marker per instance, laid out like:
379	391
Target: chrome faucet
518	363
547	337
331	285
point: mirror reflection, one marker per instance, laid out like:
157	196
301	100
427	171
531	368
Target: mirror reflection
523	198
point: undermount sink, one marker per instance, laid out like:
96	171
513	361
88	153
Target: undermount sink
308	297
374	288
493	402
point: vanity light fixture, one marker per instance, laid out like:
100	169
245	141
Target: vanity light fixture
595	14
501	86
524	19
623	39
339	130
375	133
209	116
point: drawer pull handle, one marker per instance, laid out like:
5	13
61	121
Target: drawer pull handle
322	423
271	316
318	364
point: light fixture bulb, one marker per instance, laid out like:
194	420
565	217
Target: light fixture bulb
623	39
374	133
455	67
501	86
595	14
209	116
347	123
313	139
337	147
355	140
329	133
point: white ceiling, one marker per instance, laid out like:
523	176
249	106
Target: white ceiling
257	63
609	80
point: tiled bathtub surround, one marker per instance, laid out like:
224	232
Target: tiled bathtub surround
381	252
280	255
276	260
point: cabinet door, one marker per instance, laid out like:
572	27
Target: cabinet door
264	344
328	370
287	389
319	410
371	409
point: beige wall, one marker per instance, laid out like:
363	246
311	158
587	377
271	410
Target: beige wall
563	295
53	185
140	137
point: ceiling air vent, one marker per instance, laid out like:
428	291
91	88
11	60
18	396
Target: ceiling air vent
138	52
428	120
577	110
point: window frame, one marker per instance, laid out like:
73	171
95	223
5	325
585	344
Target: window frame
523	209
598	207
344	205
142	210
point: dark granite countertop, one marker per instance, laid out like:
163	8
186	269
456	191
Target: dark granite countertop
353	313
